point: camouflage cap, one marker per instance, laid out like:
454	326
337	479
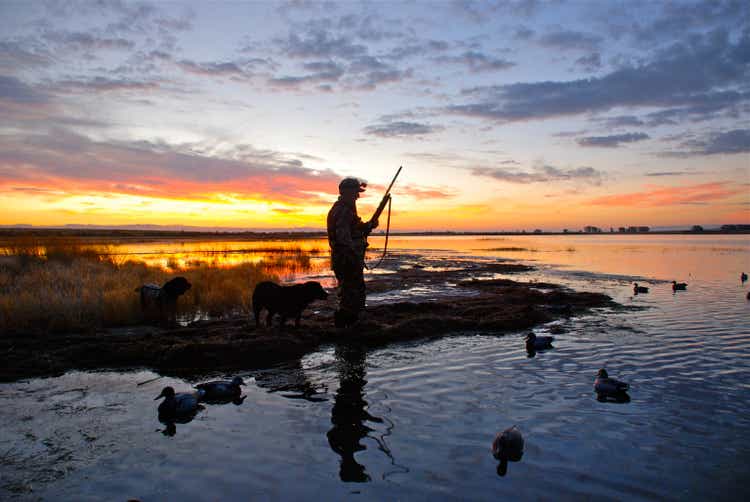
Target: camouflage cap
352	184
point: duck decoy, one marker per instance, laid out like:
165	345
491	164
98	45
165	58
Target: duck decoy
743	277
534	343
748	295
679	286
507	445
639	289
608	386
221	389
178	405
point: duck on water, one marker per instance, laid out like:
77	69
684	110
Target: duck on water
507	445
639	289
221	390
178	405
610	389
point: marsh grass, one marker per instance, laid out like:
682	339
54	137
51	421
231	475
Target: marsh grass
63	285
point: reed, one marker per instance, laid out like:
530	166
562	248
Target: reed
66	285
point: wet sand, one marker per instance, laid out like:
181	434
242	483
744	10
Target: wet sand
471	300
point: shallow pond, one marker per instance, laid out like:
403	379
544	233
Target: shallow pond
415	421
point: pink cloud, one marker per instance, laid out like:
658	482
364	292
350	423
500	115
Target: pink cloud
670	196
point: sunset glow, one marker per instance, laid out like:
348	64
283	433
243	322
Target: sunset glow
505	115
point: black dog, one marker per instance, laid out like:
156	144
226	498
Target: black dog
161	302
288	301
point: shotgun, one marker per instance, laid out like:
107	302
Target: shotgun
386	197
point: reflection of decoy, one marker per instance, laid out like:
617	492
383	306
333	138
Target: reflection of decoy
743	277
507	445
639	289
606	386
534	342
679	286
221	389
178	405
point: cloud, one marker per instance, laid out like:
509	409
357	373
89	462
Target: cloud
686	75
86	41
671	196
13	90
566	40
477	62
15	55
102	84
395	129
425	193
589	63
613	141
71	162
212	69
539	174
321	44
723	143
671	173
620	121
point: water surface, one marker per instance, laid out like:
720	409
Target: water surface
415	421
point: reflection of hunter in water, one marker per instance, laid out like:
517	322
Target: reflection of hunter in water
349	413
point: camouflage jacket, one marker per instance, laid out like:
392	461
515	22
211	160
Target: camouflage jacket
347	233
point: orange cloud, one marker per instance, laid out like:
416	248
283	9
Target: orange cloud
670	196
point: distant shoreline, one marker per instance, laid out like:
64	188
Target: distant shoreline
121	234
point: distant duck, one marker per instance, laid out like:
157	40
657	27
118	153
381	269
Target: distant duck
221	389
534	343
743	277
608	386
639	289
178	405
679	286
508	445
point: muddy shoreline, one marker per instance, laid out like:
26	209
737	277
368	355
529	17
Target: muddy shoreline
473	299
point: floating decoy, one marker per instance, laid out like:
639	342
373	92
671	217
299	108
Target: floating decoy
639	289
508	445
608	386
221	389
679	286
743	277
534	343
178	405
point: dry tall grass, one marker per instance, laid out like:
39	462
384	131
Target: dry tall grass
66	285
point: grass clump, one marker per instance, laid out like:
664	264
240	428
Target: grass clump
67	285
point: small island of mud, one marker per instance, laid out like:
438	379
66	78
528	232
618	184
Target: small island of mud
409	302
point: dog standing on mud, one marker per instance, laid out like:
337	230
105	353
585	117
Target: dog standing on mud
287	301
161	302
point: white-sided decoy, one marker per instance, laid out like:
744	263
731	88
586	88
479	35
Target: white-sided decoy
679	286
178	404
221	389
534	343
608	386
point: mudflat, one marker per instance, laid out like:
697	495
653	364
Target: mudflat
471	299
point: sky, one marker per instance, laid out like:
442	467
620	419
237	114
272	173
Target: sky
506	116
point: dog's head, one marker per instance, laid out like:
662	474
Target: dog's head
176	287
315	291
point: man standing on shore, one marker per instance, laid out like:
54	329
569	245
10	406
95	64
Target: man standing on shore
347	236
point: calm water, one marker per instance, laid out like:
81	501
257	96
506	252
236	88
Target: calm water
415	421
